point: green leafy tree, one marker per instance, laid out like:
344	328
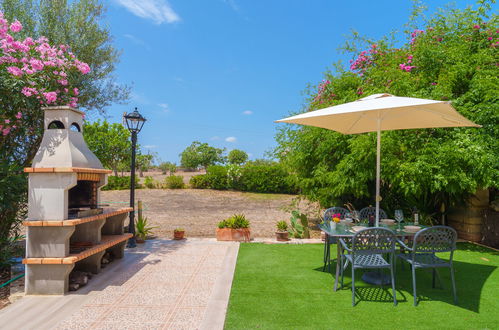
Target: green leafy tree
237	157
109	142
144	162
454	57
168	167
200	154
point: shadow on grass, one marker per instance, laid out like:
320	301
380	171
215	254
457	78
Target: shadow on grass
470	280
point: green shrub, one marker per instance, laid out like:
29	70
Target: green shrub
174	182
282	226
120	183
149	182
235	222
265	178
216	176
199	182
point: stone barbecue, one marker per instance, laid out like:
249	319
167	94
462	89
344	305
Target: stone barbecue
67	227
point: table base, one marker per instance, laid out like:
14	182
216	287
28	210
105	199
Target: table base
377	278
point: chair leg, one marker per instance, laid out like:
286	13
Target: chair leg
433	278
453	283
392	270
325	253
414	285
353	286
342	269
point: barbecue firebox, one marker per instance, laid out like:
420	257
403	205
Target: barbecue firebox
64	207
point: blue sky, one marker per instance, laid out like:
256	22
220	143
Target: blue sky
221	71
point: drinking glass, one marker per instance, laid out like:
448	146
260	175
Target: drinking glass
356	216
399	216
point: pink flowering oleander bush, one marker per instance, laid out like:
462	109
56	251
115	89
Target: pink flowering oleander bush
451	56
34	70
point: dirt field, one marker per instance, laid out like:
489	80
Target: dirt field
199	211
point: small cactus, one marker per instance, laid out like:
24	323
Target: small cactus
299	225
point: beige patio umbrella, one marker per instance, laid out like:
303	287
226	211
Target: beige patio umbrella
382	112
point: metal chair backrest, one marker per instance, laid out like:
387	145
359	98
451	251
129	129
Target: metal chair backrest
368	211
334	210
373	241
435	239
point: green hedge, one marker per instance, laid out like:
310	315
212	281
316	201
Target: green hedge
174	182
199	182
265	179
120	183
216	177
262	178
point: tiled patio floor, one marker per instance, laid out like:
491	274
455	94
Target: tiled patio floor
163	285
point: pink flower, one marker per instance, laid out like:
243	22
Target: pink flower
14	70
476	26
433	83
50	97
19	115
76	91
7	121
16	26
6	131
489	38
63	82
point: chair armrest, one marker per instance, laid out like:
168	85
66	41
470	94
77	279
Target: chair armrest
344	245
402	244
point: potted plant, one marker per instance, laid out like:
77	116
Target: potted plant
178	233
235	228
142	229
282	231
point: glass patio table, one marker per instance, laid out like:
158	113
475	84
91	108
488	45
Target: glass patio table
345	231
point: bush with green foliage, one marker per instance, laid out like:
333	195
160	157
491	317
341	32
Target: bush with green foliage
120	183
235	222
149	182
199	182
174	182
216	176
452	57
271	178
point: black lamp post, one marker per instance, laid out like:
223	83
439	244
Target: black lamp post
134	122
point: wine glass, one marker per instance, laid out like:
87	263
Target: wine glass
356	216
399	216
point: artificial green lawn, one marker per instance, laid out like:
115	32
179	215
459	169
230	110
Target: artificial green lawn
280	286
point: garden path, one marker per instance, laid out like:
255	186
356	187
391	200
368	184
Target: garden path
162	285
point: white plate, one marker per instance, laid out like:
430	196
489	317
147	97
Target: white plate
357	228
387	221
412	229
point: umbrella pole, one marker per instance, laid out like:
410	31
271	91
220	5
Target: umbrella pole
378	169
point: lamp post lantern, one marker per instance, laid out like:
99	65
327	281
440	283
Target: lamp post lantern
134	122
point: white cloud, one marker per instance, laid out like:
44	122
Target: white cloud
232	4
230	139
164	107
159	11
247	112
152	146
137	41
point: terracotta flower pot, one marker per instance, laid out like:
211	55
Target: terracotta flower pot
229	234
178	235
282	236
139	240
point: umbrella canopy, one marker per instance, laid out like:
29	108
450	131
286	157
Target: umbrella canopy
382	112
